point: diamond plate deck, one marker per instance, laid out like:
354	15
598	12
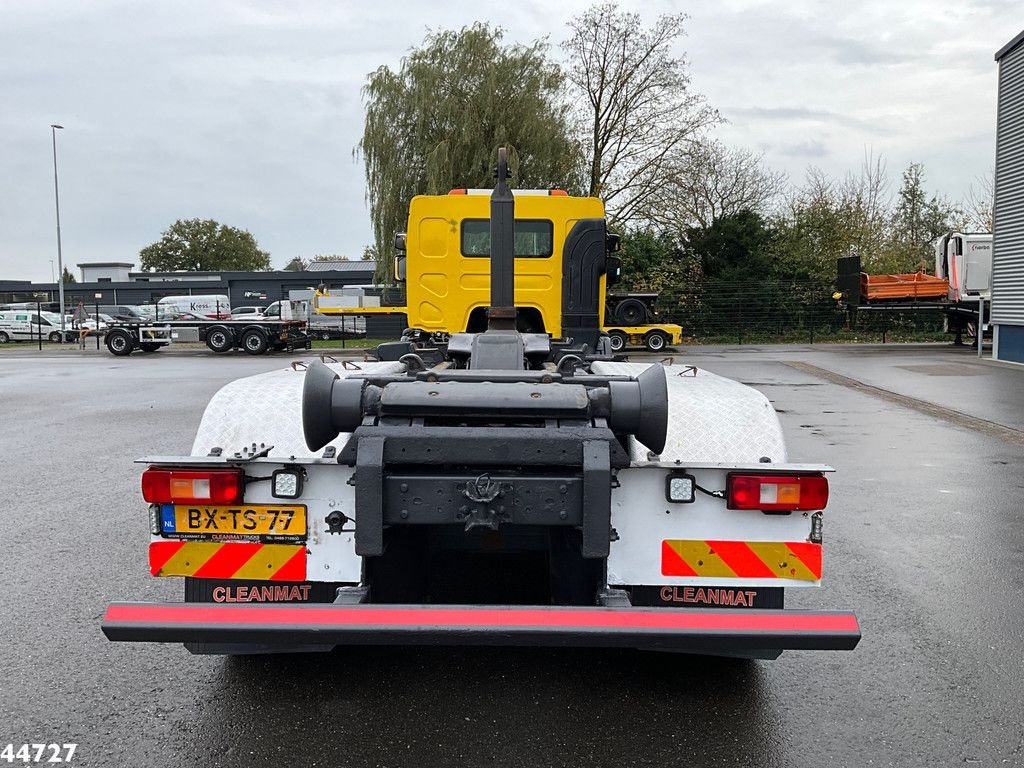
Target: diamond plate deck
710	418
267	408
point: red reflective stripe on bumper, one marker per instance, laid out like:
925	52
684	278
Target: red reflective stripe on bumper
668	619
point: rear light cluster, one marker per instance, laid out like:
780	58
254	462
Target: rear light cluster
776	493
181	486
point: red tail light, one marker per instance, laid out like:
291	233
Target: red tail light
458	191
776	493
201	486
558	193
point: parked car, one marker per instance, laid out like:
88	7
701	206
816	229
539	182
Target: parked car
90	323
124	312
19	325
246	313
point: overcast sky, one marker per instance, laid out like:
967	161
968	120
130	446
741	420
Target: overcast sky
248	112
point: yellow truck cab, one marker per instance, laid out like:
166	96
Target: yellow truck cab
446	263
444	260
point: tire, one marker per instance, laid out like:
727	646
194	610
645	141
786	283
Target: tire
54	337
655	341
4	337
254	341
220	339
631	312
148	346
119	343
618	340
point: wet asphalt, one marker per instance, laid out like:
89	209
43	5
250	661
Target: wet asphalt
924	540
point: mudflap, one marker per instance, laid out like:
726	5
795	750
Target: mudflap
709	631
237	591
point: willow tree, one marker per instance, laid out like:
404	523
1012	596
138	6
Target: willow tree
435	124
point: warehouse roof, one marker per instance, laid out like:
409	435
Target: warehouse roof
341	266
1010	46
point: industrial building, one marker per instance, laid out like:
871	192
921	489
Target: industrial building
117	285
114	283
1008	214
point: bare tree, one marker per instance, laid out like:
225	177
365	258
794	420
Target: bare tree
707	180
640	107
977	206
866	201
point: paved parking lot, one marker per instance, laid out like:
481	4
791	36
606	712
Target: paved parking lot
924	540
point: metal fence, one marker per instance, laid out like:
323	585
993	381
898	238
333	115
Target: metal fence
775	311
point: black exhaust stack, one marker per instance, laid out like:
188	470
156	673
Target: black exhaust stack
502	314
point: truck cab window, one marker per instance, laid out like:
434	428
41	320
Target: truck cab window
534	238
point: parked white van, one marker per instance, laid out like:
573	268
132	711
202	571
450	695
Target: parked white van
21	325
217	306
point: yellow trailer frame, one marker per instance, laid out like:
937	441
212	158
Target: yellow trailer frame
655	337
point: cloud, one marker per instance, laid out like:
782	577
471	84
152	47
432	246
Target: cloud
805	115
811	149
852	51
248	110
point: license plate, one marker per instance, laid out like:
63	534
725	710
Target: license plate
251	519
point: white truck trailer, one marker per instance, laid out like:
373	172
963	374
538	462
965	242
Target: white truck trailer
506	488
964	260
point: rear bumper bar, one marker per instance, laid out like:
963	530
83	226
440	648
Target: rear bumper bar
695	630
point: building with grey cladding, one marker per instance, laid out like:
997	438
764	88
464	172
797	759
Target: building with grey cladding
1008	207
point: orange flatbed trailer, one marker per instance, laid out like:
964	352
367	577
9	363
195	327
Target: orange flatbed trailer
911	286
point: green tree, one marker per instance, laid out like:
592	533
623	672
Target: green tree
736	247
651	261
202	245
827	219
68	277
296	264
918	220
654	262
436	122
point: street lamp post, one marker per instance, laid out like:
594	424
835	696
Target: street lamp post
56	199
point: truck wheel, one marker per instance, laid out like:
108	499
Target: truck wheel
4	338
655	341
325	335
618	340
631	312
254	341
220	339
149	346
55	337
119	343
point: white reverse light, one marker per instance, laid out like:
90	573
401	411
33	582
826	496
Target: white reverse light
286	484
679	488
